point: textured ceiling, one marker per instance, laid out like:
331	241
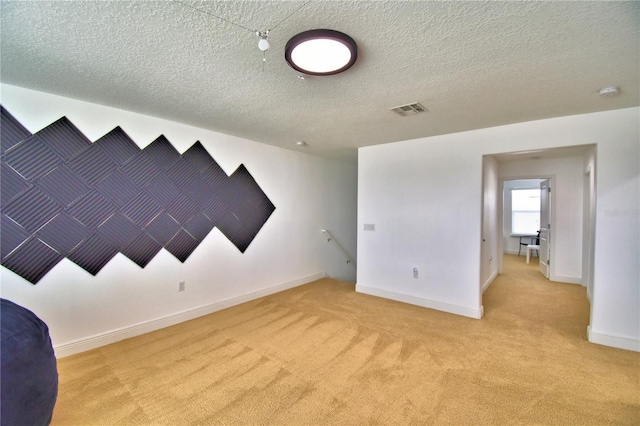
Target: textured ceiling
472	64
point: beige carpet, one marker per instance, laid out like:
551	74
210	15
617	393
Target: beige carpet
323	354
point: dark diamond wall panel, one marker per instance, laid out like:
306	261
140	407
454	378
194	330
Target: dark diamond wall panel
163	191
198	157
63	233
118	231
199	192
142	250
142	209
92	209
92	254
12	131
214	176
32	158
242	209
162	228
181	245
32	209
259	216
63	185
230	226
64	138
182	174
141	169
117	188
11	184
118	145
92	165
255	195
65	196
12	235
230	193
198	227
242	240
182	209
215	209
242	178
32	260
163	153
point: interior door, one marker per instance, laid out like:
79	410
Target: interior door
545	228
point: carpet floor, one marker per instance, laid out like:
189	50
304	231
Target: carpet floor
322	354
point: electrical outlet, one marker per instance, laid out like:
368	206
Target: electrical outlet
415	272
181	285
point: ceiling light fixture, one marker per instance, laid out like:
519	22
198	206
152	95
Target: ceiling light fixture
263	43
321	52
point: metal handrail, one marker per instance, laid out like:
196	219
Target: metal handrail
330	238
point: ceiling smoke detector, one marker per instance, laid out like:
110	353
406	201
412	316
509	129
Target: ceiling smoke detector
410	109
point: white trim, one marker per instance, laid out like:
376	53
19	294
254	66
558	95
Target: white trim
419	301
487	283
556	278
568	280
619	342
113	336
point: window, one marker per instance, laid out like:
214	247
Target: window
525	211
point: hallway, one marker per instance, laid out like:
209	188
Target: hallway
523	294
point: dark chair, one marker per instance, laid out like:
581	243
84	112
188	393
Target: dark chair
532	240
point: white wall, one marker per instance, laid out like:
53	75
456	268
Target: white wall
425	198
490	219
615	309
567	214
310	193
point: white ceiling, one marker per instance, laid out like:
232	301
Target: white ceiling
472	64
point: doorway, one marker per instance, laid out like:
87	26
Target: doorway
565	167
571	172
526	215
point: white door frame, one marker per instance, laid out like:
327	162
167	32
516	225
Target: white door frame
545	232
552	214
589	226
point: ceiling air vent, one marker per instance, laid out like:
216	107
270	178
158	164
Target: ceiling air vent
410	109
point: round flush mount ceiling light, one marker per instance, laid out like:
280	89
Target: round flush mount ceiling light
321	52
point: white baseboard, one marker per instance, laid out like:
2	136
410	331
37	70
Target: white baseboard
613	341
114	336
419	301
568	280
488	282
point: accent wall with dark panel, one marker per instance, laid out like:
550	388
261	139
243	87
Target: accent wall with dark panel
65	196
